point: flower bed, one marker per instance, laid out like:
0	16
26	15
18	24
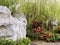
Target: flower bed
37	32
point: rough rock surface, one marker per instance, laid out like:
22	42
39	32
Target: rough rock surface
12	27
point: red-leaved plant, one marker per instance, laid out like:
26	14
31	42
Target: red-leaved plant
36	27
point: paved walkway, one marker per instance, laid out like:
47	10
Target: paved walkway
45	43
38	42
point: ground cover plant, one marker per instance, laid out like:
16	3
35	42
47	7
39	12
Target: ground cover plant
26	41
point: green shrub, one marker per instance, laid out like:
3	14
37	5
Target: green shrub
17	42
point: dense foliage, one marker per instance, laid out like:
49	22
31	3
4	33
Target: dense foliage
40	10
36	10
17	42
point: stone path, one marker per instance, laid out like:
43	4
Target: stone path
33	44
37	42
44	43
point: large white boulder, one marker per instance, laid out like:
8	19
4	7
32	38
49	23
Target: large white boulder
12	27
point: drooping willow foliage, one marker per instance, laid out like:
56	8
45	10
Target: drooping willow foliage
35	9
11	4
40	9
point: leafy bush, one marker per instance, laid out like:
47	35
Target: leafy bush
40	10
17	42
11	4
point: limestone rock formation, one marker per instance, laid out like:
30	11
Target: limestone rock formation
12	27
